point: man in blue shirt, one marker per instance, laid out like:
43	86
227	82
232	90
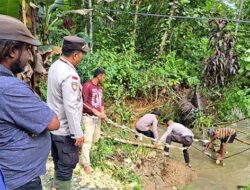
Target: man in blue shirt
24	119
2	185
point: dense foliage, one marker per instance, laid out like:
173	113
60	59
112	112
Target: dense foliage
154	57
147	56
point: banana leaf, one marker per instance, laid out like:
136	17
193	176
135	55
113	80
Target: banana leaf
10	7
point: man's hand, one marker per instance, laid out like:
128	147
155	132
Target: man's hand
204	150
79	141
157	144
102	116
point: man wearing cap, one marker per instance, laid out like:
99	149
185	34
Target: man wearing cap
144	123
65	98
24	119
93	112
225	135
178	133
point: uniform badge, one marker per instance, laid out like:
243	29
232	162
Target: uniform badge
74	86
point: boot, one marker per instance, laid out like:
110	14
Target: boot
61	185
55	183
64	185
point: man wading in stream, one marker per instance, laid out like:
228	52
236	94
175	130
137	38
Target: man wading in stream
225	135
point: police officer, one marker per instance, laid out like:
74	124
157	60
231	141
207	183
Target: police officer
24	119
65	98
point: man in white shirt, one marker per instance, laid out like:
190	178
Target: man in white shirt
144	123
178	133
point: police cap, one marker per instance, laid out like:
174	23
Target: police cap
13	29
156	112
74	43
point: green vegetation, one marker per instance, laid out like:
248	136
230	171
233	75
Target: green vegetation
123	156
155	58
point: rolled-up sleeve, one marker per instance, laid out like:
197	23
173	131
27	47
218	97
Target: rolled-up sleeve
164	136
154	128
72	100
26	110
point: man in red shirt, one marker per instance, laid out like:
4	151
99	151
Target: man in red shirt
93	112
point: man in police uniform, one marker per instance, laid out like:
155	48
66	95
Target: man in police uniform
24	119
65	98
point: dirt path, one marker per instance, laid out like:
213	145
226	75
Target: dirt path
98	180
164	173
157	173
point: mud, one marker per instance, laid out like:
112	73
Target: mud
165	173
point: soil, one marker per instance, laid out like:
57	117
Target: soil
157	172
80	181
160	173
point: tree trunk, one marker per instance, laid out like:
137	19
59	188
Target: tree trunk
137	5
238	15
24	12
91	25
167	29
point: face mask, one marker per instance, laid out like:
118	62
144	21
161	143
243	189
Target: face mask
16	67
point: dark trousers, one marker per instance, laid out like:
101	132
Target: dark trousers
148	133
65	156
185	141
229	139
222	150
34	184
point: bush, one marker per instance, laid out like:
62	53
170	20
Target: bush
235	99
129	76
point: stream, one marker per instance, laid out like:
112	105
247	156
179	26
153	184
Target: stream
236	171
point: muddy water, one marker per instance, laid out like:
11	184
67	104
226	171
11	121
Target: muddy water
213	177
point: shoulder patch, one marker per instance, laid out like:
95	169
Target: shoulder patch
74	86
74	77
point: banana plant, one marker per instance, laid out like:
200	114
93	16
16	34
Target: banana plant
46	10
10	7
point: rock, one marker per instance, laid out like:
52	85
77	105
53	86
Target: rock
148	185
152	154
159	183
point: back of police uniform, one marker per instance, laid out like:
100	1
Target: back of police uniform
65	98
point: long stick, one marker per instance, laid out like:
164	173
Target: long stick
226	123
132	142
244	142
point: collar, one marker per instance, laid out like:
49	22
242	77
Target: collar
5	72
67	62
98	84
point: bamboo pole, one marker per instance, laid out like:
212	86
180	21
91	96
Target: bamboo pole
132	142
227	123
